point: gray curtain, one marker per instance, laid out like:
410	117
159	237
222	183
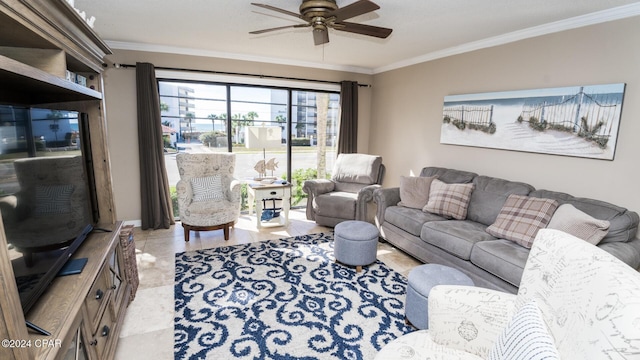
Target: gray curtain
348	135
157	211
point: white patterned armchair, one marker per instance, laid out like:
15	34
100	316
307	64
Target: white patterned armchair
208	194
575	302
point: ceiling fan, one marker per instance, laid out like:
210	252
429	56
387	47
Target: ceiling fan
324	14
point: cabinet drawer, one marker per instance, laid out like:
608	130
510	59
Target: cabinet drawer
271	193
104	334
96	299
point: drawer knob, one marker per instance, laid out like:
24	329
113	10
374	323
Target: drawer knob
114	286
273	193
94	342
99	294
105	331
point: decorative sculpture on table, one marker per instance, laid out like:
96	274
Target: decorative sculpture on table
272	164
264	137
261	167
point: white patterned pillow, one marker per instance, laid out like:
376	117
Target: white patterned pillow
207	188
526	337
579	224
53	199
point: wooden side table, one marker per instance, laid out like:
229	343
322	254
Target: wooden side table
259	192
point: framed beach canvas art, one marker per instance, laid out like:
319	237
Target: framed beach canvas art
579	121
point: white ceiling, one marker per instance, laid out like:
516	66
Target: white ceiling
422	29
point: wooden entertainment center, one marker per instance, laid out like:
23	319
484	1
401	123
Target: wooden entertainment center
42	42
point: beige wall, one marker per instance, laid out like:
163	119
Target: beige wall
121	110
407	110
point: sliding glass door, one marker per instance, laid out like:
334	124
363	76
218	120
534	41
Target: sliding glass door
314	138
276	132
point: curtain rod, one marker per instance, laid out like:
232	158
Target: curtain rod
119	66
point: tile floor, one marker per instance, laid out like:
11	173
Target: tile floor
147	332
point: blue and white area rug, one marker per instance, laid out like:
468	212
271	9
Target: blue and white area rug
284	299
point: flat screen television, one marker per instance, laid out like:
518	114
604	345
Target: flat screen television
47	192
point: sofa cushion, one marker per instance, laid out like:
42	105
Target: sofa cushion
502	258
449	200
623	223
489	195
414	191
336	204
521	217
348	187
526	337
409	220
579	224
357	168
456	237
450	176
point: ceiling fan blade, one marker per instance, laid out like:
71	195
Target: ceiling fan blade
279	28
379	32
352	10
320	36
273	8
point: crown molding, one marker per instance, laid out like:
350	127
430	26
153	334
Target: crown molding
617	13
123	45
599	17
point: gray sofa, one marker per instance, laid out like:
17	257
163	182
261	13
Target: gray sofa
464	244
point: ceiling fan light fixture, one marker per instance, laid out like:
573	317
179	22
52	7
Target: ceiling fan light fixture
324	14
312	8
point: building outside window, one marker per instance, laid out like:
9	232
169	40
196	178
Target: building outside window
201	116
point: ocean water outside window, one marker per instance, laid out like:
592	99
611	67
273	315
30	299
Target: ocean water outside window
219	117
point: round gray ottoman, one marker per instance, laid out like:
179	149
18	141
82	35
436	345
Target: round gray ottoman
355	243
421	279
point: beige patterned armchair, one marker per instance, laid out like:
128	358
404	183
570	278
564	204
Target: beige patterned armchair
208	194
575	301
349	191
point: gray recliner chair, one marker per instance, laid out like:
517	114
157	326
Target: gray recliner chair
349	191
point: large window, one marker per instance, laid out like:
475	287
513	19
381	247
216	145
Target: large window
212	117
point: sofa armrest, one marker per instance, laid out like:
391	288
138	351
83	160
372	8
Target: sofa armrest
235	191
468	318
365	195
9	209
385	197
628	252
318	186
314	188
184	194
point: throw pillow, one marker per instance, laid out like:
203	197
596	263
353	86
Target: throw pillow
207	188
526	337
449	200
579	224
53	199
414	191
521	217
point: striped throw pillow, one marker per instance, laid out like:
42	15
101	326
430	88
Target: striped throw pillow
449	200
521	217
53	199
526	337
207	188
